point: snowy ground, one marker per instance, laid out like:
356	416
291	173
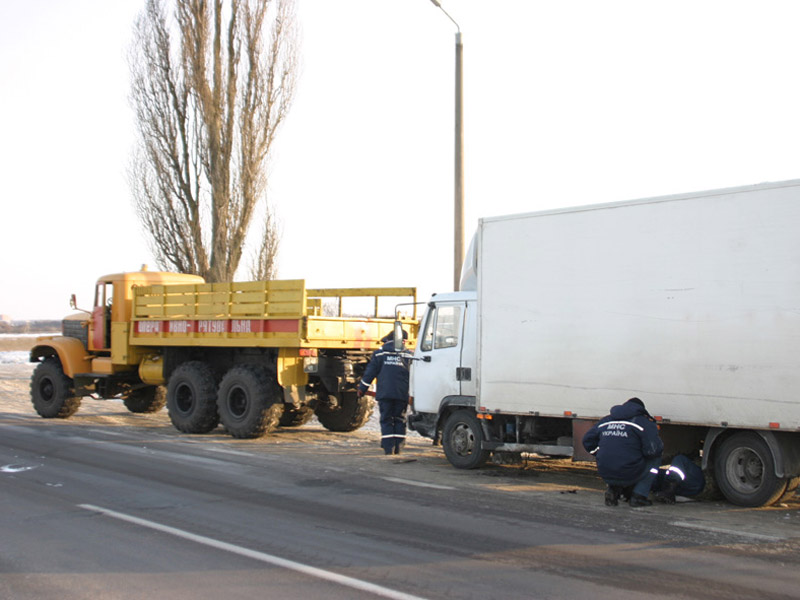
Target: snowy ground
13	357
12	336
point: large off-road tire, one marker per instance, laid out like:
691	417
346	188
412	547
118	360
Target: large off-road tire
350	413
745	471
192	398
148	399
462	437
295	417
249	401
52	392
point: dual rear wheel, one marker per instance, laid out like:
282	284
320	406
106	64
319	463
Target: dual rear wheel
346	413
249	403
192	398
744	470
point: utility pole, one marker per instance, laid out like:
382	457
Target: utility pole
458	186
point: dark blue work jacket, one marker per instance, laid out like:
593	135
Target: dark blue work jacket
391	369
622	442
687	476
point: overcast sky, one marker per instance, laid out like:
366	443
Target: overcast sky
566	103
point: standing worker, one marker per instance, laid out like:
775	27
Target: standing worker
391	367
628	452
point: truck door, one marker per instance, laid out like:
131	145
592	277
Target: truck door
440	372
101	317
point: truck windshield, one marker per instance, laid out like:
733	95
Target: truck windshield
103	294
442	328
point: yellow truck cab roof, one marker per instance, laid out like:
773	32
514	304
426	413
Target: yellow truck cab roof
125	282
145	277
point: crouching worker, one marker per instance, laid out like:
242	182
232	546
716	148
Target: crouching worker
627	448
681	478
390	366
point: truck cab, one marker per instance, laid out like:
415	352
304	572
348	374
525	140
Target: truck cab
443	377
93	355
112	312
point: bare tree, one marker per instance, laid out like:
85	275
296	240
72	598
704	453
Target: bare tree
264	265
212	81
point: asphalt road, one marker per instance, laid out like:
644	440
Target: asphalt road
111	505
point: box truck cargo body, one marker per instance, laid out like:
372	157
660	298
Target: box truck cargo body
689	302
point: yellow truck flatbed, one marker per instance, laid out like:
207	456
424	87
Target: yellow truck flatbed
276	314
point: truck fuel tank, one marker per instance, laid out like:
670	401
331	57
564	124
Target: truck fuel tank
151	370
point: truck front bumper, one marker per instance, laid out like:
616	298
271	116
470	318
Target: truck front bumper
423	423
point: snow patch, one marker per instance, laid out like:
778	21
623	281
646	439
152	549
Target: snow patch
14	357
9	336
14	469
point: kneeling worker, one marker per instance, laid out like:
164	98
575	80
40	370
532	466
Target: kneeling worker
628	450
681	478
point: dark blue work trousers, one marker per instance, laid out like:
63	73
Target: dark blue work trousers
642	485
393	424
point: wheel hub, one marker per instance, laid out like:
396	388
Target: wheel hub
746	468
46	390
463	440
237	402
184	399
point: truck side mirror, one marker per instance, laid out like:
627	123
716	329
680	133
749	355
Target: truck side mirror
73	304
399	343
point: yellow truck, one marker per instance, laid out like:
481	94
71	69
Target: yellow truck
251	355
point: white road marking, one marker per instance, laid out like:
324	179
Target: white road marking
15	468
227	451
418	483
344	580
99	431
756	536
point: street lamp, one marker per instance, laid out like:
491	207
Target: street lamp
458	223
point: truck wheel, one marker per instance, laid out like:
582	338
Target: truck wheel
52	391
192	398
461	440
350	413
249	402
295	417
148	399
745	471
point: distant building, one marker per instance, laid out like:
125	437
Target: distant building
5	319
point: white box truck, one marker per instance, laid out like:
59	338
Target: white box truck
690	302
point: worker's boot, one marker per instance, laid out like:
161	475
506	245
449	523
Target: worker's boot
612	495
666	495
638	500
626	493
